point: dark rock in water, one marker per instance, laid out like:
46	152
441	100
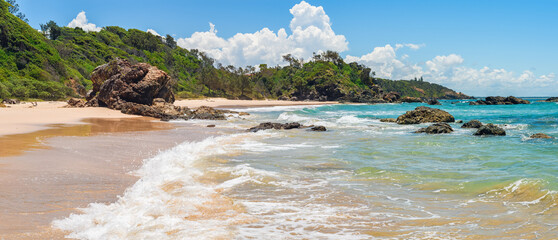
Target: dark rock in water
433	102
437	128
541	135
392	120
411	100
276	126
319	129
211	125
119	81
551	99
490	129
459	121
500	101
75	103
208	113
425	115
472	124
10	101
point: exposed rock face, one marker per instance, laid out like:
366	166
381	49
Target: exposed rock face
500	101
433	102
551	99
490	129
75	103
391	97
455	95
411	100
472	124
77	87
541	135
436	128
318	129
276	126
425	115
392	120
119	81
2	105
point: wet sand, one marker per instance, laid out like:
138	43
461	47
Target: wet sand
54	160
48	174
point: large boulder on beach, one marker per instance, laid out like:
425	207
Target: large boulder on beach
541	135
119	81
472	124
425	115
75	103
490	129
500	101
436	128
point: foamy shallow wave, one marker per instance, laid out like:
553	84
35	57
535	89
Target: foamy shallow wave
168	202
526	192
276	108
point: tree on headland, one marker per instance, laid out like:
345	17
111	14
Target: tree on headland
14	9
169	40
51	30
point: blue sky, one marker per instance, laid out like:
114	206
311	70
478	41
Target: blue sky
472	46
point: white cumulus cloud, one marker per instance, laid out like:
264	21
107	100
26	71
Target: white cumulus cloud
153	32
311	32
81	22
450	70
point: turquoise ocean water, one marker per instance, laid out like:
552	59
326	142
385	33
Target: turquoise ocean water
362	179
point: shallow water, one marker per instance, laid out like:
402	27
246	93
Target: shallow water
362	179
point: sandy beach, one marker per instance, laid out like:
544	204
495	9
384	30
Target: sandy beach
25	118
54	160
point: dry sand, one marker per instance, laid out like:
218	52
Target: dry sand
24	118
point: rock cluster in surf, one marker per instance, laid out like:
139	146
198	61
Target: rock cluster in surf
500	101
284	126
472	124
425	115
436	128
490	129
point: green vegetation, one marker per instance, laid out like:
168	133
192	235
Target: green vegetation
418	88
57	62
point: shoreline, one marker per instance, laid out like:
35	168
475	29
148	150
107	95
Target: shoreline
24	118
47	142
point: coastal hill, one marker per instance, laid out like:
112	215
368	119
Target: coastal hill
57	62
